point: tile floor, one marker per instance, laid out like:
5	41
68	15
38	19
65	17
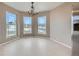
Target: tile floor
34	46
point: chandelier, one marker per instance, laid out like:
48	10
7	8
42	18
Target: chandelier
31	12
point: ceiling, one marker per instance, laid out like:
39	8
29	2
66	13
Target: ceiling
39	6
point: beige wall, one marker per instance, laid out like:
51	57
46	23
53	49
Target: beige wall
61	24
1	17
58	23
4	8
21	26
35	25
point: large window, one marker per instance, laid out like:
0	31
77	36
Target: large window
10	24
42	25
27	25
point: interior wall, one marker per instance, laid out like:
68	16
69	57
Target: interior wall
61	24
35	22
3	9
1	18
22	25
35	25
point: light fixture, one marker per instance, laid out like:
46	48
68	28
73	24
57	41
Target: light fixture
31	12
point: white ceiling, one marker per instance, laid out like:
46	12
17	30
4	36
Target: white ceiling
39	6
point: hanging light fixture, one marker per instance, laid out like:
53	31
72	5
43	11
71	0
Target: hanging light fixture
31	12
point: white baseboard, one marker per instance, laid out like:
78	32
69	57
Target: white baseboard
53	40
63	44
8	41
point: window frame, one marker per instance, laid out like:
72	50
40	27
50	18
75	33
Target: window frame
7	36
45	25
31	26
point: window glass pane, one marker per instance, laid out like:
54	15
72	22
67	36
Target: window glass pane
42	25
75	19
10	24
27	25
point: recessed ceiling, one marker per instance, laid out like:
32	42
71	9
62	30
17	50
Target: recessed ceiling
39	6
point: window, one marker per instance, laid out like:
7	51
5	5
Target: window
42	25
10	24
76	22
27	25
